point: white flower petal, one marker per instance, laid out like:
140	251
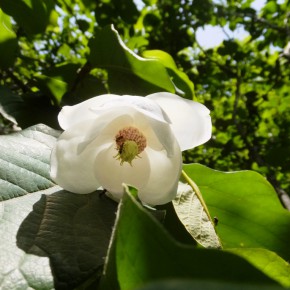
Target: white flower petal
164	176
71	115
70	169
90	109
190	121
105	127
142	104
111	174
159	134
73	157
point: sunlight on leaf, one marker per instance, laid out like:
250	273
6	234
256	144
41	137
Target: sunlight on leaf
184	85
24	161
268	262
17	268
8	41
194	217
247	207
52	86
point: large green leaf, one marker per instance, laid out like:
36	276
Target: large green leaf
247	207
49	237
268	262
127	72
32	15
8	41
142	252
182	82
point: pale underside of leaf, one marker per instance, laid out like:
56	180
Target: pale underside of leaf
19	270
24	161
54	239
194	217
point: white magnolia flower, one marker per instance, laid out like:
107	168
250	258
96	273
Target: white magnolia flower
109	140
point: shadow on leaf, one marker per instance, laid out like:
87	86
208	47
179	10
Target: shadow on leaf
73	231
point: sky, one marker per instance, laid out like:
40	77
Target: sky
211	36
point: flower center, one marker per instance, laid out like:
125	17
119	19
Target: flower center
130	142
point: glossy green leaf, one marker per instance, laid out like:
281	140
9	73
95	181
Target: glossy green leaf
8	41
268	262
128	73
50	238
165	58
247	207
183	84
194	217
32	15
142	251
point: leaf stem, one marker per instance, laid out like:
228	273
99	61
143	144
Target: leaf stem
198	194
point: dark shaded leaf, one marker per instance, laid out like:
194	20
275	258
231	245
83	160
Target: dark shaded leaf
28	110
32	15
127	71
188	284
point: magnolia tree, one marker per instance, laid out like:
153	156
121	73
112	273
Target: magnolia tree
94	191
